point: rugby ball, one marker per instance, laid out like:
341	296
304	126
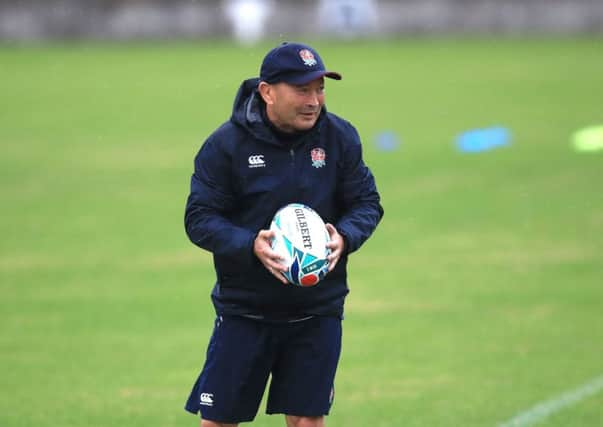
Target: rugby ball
301	237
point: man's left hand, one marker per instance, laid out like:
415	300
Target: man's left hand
337	246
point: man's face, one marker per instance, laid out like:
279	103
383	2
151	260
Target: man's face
293	108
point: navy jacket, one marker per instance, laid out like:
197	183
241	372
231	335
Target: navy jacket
244	174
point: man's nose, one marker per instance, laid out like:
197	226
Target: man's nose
313	100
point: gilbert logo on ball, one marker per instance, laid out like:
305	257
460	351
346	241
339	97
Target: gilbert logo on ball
301	238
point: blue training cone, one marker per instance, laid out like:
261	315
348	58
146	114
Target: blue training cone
387	141
478	140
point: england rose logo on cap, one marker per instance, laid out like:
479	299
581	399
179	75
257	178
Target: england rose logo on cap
307	57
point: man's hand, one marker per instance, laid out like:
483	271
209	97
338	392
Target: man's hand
337	246
270	259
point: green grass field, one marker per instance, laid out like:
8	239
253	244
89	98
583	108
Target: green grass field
479	296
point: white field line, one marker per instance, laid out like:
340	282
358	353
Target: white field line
544	409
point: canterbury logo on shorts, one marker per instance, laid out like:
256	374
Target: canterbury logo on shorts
207	399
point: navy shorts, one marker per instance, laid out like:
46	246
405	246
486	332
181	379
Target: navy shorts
243	353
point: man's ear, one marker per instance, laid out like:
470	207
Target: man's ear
266	92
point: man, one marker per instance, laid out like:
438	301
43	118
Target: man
280	146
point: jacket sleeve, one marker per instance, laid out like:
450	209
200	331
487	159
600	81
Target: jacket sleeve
358	196
210	200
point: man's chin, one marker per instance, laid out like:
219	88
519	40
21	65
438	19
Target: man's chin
305	123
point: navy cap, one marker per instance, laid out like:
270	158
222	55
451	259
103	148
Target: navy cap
294	63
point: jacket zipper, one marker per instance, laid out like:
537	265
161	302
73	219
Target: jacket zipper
292	181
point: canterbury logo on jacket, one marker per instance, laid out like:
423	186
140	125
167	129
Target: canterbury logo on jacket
245	172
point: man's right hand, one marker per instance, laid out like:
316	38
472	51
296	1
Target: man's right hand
271	260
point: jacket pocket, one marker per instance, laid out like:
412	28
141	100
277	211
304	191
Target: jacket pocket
234	275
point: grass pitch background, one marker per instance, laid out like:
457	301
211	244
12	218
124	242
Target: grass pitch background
480	295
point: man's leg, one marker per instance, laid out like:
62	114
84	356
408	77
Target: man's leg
207	423
304	374
293	421
229	389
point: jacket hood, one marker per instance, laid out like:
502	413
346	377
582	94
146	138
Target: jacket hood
246	112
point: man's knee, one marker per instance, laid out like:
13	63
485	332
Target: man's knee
294	421
208	423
